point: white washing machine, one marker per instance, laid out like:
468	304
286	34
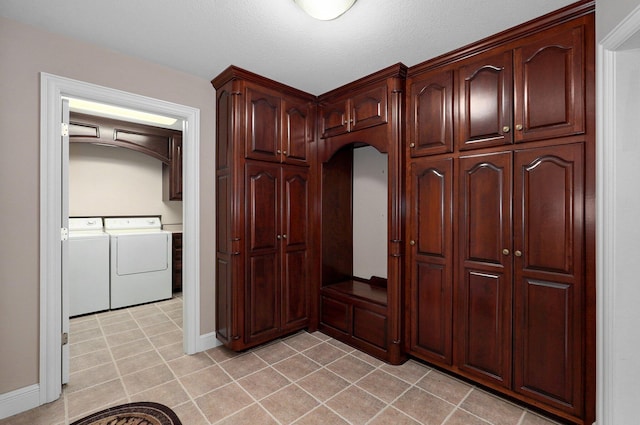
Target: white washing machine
88	266
140	260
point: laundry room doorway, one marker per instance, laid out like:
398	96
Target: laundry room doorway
54	215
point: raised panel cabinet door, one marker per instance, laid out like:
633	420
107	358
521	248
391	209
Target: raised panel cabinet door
298	128
549	282
484	293
431	259
295	246
549	84
262	139
368	108
431	114
262	287
334	118
175	169
485	101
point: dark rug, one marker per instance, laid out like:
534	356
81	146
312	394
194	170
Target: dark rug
142	413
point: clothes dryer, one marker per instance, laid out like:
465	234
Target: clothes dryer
140	253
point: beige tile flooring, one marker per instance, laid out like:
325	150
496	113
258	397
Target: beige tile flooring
135	354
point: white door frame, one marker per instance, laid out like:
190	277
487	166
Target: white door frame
608	335
52	88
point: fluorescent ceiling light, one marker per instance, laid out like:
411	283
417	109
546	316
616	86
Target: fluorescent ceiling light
119	112
325	10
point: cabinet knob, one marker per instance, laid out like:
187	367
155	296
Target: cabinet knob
505	251
284	236
412	242
519	127
506	129
518	253
278	237
278	152
284	153
412	145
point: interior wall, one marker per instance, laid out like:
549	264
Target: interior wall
618	389
111	181
370	202
626	316
24	53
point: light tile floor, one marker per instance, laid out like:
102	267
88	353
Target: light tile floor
135	354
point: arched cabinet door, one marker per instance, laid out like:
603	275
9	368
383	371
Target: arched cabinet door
549	80
484	292
485	101
549	282
430	129
431	258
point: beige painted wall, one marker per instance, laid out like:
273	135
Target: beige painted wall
110	181
24	53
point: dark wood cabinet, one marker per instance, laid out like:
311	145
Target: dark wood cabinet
430	292
500	223
173	187
430	118
549	281
485	93
360	108
264	171
176	261
530	91
490	212
279	127
278	220
362	311
485	276
160	143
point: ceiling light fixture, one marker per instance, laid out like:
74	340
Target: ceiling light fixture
118	112
325	10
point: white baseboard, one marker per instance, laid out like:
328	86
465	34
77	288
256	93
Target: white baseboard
207	341
19	400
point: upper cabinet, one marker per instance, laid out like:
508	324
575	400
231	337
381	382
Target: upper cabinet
363	108
531	92
430	122
526	90
161	143
279	127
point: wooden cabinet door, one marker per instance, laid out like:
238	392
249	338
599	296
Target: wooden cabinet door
262	139
485	101
262	213
368	109
296	200
549	84
484	293
334	117
298	128
175	169
431	259
431	114
548	226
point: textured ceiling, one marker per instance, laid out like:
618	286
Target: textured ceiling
275	38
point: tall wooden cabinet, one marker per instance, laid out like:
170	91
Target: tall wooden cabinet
500	234
264	182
